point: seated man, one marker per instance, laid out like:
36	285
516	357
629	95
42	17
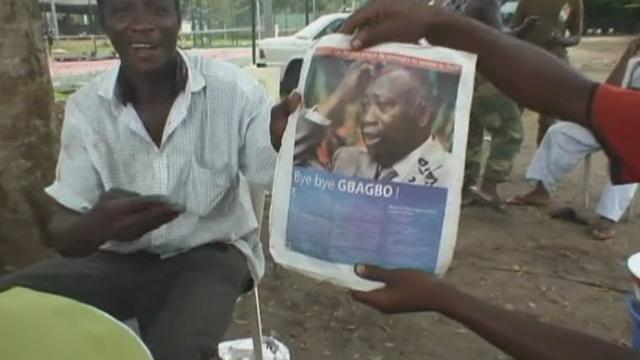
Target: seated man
562	149
395	125
154	213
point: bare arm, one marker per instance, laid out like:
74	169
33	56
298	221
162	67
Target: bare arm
69	233
574	27
516	334
525	338
528	65
532	77
574	24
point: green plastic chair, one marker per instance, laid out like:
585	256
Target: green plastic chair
36	325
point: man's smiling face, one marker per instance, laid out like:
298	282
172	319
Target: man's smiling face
143	32
394	115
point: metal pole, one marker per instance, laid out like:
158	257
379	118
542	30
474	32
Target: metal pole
257	331
586	182
56	30
200	24
306	12
258	20
90	17
269	26
192	14
253	31
92	28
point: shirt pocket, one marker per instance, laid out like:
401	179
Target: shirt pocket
207	187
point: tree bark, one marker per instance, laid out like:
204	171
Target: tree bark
27	140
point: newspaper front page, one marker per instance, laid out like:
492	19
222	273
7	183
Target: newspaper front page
371	166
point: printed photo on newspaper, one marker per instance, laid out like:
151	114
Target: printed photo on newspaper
371	166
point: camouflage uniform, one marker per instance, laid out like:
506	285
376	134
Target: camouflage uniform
500	116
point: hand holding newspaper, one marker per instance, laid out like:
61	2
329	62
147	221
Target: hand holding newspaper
371	166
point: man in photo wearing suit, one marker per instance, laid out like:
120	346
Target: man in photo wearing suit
397	111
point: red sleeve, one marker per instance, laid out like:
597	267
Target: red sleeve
615	119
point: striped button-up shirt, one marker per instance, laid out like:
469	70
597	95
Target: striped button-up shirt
216	141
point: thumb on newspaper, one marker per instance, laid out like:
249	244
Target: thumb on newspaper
371	272
380	299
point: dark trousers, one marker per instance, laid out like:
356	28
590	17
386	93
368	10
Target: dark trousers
183	304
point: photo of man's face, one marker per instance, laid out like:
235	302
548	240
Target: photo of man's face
394	113
378	117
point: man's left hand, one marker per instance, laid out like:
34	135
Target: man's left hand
280	117
404	290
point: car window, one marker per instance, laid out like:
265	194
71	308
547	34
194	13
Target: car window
332	27
311	30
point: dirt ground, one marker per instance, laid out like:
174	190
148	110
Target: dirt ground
522	260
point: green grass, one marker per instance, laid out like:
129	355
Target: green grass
84	47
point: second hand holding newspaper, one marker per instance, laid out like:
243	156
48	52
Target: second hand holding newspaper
371	167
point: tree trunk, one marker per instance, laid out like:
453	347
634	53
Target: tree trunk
27	140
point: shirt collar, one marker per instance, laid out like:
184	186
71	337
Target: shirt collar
430	150
109	86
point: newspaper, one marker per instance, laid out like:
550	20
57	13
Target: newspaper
371	166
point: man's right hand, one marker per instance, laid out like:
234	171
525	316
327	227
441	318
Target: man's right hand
383	21
126	216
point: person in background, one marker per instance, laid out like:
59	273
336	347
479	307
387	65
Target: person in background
562	149
553	88
494	113
552	25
